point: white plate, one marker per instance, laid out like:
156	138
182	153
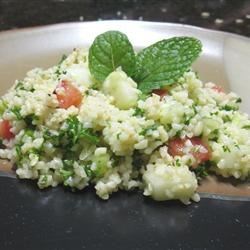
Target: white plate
225	59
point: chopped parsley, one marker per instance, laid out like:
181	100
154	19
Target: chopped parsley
88	171
66	173
148	129
20	85
76	131
1	143
138	160
202	170
139	112
177	162
246	126
62	59
52	138
29	120
187	119
214	136
3	106
238	100
70	135
226	149
227	118
21	157
16	111
118	135
229	108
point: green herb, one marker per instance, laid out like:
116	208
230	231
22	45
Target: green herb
246	126
70	135
29	132
1	143
214	113
24	157
148	129
88	171
238	100
178	133
202	170
194	107
54	139
187	119
226	149
3	106
109	51
75	131
19	85
118	135
66	173
97	85
196	74
100	170
68	163
164	62
35	151
227	118
67	169
16	111
89	135
177	162
29	120
115	160
138	112
18	151
229	108
143	96
137	160
214	136
62	59
58	72
158	65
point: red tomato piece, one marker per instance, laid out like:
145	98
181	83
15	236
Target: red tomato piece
160	92
175	146
201	153
67	95
5	132
218	89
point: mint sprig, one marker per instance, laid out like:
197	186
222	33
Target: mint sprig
158	65
164	62
109	51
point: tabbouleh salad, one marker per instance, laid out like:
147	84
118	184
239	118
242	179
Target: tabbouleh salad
117	119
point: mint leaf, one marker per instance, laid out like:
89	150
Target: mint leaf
109	51
164	62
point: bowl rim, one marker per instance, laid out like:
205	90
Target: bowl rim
56	26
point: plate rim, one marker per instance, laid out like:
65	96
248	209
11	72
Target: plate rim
39	28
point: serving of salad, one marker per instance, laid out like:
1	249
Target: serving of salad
116	119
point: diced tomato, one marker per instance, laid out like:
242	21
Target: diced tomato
175	146
218	89
160	92
5	132
68	95
204	153
201	153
